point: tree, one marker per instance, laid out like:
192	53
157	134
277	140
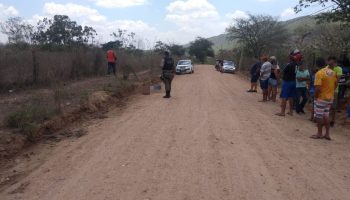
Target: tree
174	49
332	38
201	48
127	39
177	50
339	11
258	33
227	54
17	30
112	45
88	34
160	47
62	31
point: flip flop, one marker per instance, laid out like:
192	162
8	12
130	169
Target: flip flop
327	138
316	137
280	114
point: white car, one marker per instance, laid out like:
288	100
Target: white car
228	67
184	67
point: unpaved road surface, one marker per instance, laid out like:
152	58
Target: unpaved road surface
211	141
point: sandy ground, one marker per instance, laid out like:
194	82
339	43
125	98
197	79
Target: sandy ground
211	141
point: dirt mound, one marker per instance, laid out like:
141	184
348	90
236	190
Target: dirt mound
11	144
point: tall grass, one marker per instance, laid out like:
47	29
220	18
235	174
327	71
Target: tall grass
21	67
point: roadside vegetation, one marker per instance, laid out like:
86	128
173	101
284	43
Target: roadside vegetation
54	73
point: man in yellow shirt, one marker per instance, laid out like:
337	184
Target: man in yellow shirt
325	85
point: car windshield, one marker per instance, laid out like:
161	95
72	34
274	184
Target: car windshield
184	62
227	62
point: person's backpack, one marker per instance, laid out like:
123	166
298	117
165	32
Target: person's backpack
168	63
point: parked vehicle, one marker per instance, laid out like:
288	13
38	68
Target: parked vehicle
228	66
184	67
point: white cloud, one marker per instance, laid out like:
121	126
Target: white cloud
194	18
191	18
287	14
238	14
7	11
190	5
87	16
190	10
119	3
78	12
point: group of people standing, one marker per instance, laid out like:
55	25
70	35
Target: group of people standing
268	72
299	85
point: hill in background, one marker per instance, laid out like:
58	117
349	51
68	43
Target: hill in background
221	41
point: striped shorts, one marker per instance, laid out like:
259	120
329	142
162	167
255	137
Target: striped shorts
322	108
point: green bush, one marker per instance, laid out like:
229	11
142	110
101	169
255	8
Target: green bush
27	118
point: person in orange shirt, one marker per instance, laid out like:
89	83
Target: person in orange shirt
325	85
112	60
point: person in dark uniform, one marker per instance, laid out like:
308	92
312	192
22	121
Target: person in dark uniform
168	69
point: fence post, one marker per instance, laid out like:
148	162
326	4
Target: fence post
35	67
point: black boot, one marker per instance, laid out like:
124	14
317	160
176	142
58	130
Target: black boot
167	95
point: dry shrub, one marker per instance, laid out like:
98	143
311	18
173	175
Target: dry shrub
59	101
14	67
137	62
28	119
96	101
28	66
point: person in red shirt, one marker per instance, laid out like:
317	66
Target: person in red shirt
111	59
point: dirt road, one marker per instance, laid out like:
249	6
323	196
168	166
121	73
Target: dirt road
211	141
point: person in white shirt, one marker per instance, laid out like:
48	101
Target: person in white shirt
265	73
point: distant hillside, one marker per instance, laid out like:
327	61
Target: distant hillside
221	41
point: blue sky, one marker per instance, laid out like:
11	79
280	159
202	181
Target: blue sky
178	21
